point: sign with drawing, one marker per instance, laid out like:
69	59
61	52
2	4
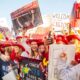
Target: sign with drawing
56	51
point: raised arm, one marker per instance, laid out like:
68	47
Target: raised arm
19	22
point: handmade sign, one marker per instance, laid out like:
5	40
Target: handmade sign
55	51
28	16
30	69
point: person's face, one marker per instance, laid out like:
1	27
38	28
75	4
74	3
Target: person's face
27	23
63	56
10	49
60	42
41	48
19	40
34	46
16	49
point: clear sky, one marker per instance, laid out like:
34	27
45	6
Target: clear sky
46	7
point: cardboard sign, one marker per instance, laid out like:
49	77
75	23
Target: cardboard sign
28	16
54	53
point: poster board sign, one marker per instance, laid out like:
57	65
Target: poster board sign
10	76
60	22
33	71
28	16
54	53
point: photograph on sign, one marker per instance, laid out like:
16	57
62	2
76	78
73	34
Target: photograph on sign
28	16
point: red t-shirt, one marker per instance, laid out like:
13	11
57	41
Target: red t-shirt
46	55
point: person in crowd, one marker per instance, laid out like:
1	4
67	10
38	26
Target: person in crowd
61	39
21	71
5	56
18	39
18	51
67	71
34	49
25	49
49	39
43	52
5	62
71	39
15	55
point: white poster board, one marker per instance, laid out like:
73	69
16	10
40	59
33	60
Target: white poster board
54	52
10	76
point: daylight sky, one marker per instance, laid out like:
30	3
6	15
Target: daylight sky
46	7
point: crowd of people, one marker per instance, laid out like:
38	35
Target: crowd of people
12	52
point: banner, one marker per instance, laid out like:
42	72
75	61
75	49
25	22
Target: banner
55	52
28	16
